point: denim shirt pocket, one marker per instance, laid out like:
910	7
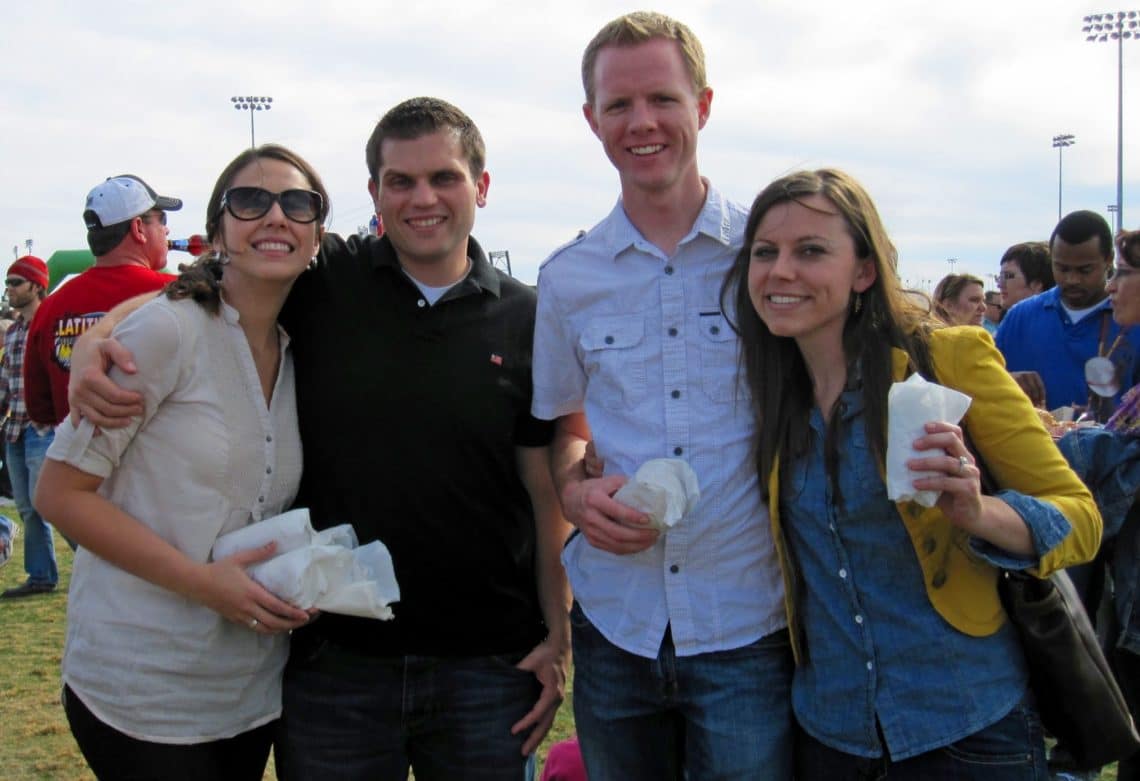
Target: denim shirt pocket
718	351
862	483
614	353
793	478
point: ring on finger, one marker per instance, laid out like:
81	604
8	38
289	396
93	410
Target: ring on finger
253	622
963	462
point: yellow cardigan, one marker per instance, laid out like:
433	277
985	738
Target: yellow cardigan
1019	453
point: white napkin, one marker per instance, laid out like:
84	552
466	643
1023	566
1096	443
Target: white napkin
910	406
665	489
289	530
325	569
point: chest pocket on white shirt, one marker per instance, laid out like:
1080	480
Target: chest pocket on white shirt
718	356
614	355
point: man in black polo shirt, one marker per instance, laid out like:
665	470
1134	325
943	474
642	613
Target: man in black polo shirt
413	360
414	388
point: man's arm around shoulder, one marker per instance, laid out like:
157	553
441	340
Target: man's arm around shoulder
90	392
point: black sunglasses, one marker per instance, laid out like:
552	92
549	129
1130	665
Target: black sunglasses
252	203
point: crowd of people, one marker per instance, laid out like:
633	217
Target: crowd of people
800	621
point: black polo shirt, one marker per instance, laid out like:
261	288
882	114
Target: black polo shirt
410	415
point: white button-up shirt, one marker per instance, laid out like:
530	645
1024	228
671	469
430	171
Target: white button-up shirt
208	457
636	339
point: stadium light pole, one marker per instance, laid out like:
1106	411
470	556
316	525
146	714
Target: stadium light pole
951	261
1112	212
1115	26
252	104
1059	143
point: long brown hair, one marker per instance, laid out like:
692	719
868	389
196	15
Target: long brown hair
887	317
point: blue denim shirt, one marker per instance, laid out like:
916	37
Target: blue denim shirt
1109	463
876	650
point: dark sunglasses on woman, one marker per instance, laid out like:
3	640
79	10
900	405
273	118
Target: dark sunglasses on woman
252	203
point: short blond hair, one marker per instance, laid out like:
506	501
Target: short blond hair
639	27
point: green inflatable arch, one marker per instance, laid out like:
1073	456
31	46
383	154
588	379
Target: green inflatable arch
67	261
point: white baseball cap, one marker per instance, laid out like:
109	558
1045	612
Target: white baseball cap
123	198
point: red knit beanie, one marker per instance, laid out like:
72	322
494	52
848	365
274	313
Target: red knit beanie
32	269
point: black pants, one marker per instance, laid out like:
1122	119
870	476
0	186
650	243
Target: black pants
1126	665
114	756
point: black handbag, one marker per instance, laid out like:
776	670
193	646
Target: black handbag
1077	695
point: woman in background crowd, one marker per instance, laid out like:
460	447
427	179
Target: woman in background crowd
173	662
959	299
906	666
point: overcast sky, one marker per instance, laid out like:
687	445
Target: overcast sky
946	112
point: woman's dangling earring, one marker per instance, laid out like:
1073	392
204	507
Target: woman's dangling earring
858	303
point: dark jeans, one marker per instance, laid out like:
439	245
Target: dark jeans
351	716
1011	749
719	716
114	756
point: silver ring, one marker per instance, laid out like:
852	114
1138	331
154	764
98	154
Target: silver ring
253	623
963	462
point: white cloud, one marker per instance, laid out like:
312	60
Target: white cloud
945	112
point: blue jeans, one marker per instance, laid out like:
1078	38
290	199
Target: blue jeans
724	715
25	459
1011	749
351	716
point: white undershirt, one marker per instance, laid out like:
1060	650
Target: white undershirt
433	294
1077	315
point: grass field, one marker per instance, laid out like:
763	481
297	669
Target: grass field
37	744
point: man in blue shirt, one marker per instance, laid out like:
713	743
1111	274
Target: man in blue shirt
1048	339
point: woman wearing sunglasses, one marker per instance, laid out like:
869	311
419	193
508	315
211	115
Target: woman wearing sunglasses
173	661
905	665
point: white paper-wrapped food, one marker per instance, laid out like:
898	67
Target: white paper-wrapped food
370	590
910	406
303	576
324	570
290	530
665	489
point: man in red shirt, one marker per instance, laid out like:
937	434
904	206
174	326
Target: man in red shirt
126	230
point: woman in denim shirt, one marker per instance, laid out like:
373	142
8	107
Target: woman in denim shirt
1108	460
906	666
